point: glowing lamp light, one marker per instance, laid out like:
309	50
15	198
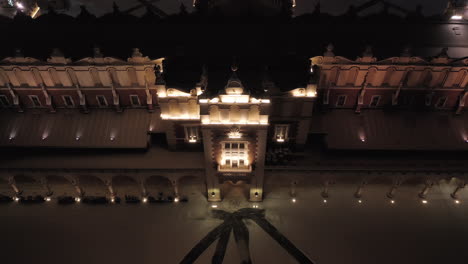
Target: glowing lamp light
214	206
424	201
266	101
293	200
360	201
112	200
77	199
213	194
192	141
112	138
176	200
457	201
456	17
19	5
281	140
145	200
16	198
256	194
77	138
325	201
363	140
255	206
47	199
203	101
11	138
392	201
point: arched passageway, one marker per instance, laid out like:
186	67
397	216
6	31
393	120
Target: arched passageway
125	185
192	187
156	185
28	185
92	185
60	186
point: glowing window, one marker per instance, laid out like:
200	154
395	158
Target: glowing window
191	134
234	155
281	132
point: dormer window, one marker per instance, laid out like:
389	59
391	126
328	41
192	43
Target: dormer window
441	102
68	101
341	100
101	99
35	101
4	101
375	101
281	133
191	134
135	100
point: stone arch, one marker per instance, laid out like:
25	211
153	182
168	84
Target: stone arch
157	184
334	76
372	76
28	184
92	185
460	78
192	186
126	185
60	185
388	76
352	76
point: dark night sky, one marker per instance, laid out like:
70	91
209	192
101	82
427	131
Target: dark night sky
331	6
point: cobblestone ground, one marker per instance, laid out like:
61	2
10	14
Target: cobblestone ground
339	231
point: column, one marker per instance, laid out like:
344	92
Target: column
110	188
256	185
46	186
213	188
459	187
425	190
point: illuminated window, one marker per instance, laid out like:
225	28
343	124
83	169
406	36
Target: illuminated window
341	100
234	155
35	101
135	100
375	101
101	99
441	102
4	101
281	132
191	134
68	101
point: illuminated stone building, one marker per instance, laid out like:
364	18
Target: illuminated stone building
312	119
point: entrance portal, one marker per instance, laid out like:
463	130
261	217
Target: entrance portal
235	195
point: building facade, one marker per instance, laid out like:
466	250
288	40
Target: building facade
231	130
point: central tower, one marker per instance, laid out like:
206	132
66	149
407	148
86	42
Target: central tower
234	127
